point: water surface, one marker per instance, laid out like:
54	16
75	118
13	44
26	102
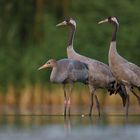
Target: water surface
25	127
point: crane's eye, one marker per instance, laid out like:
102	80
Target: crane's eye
48	62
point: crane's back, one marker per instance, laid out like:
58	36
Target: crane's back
68	70
100	73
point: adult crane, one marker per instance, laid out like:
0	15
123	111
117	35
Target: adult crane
67	71
100	75
125	72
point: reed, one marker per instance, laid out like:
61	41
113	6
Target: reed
38	99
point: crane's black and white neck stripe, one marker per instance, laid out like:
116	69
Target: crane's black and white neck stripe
115	23
72	25
113	20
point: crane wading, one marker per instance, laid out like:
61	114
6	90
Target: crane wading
125	72
67	71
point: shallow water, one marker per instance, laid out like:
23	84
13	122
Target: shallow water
24	127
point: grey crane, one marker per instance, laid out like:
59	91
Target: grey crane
100	75
125	72
67	71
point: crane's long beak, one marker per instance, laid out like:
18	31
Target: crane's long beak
103	21
42	67
61	24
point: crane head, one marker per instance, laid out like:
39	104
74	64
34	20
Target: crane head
111	19
67	22
49	64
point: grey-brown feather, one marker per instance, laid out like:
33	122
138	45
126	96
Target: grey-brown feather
125	71
100	74
68	70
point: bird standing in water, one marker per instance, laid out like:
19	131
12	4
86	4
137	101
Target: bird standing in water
67	71
125	72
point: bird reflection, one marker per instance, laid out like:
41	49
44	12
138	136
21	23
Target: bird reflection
80	120
67	124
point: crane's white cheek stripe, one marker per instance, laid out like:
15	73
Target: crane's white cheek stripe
115	20
73	22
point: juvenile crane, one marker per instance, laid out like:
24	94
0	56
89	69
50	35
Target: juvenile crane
100	75
67	71
125	72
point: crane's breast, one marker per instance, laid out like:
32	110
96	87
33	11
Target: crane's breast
58	76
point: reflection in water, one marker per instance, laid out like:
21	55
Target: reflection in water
73	127
67	124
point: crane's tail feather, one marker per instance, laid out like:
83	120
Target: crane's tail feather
122	92
120	89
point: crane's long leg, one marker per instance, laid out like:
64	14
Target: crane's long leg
92	92
65	99
138	98
69	99
91	104
97	105
127	104
128	100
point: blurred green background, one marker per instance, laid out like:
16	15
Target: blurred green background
29	37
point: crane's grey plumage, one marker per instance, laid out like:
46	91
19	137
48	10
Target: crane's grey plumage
100	75
125	72
67	71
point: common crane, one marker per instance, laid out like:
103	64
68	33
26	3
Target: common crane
67	71
125	72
